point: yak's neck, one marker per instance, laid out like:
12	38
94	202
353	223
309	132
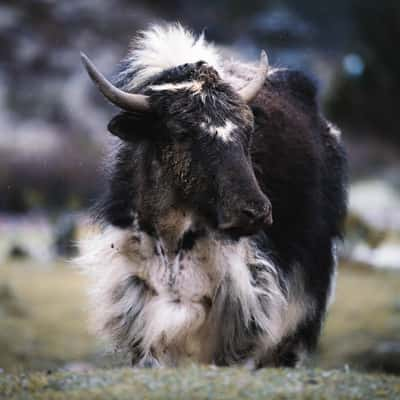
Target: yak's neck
172	227
178	231
175	231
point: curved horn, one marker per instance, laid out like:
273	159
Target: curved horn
249	92
124	100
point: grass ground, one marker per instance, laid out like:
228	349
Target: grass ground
45	323
50	328
43	327
201	383
365	315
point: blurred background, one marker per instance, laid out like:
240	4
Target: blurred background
53	138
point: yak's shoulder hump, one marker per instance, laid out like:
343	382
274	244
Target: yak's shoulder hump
296	83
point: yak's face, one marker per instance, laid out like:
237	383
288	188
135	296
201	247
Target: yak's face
197	159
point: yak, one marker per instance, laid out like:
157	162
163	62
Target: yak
225	200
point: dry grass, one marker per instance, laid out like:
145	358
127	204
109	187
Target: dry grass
50	328
366	312
195	382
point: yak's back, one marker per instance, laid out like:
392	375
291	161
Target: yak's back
299	157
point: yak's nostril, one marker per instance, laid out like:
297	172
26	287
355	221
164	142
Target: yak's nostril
258	216
247	219
249	213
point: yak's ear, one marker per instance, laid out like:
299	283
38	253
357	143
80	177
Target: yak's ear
129	126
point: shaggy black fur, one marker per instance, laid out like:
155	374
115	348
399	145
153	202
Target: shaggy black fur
286	157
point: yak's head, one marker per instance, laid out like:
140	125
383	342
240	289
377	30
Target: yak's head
199	131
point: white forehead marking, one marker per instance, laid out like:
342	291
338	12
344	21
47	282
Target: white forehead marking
224	132
194	86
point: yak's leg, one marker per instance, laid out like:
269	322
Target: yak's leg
148	361
140	359
287	354
293	349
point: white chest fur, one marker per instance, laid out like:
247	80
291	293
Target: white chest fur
172	317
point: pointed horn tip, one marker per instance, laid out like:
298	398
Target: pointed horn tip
85	59
126	101
83	56
249	92
264	58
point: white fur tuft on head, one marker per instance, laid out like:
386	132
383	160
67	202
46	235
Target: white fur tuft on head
162	47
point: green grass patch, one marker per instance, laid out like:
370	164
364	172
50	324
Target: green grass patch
201	383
